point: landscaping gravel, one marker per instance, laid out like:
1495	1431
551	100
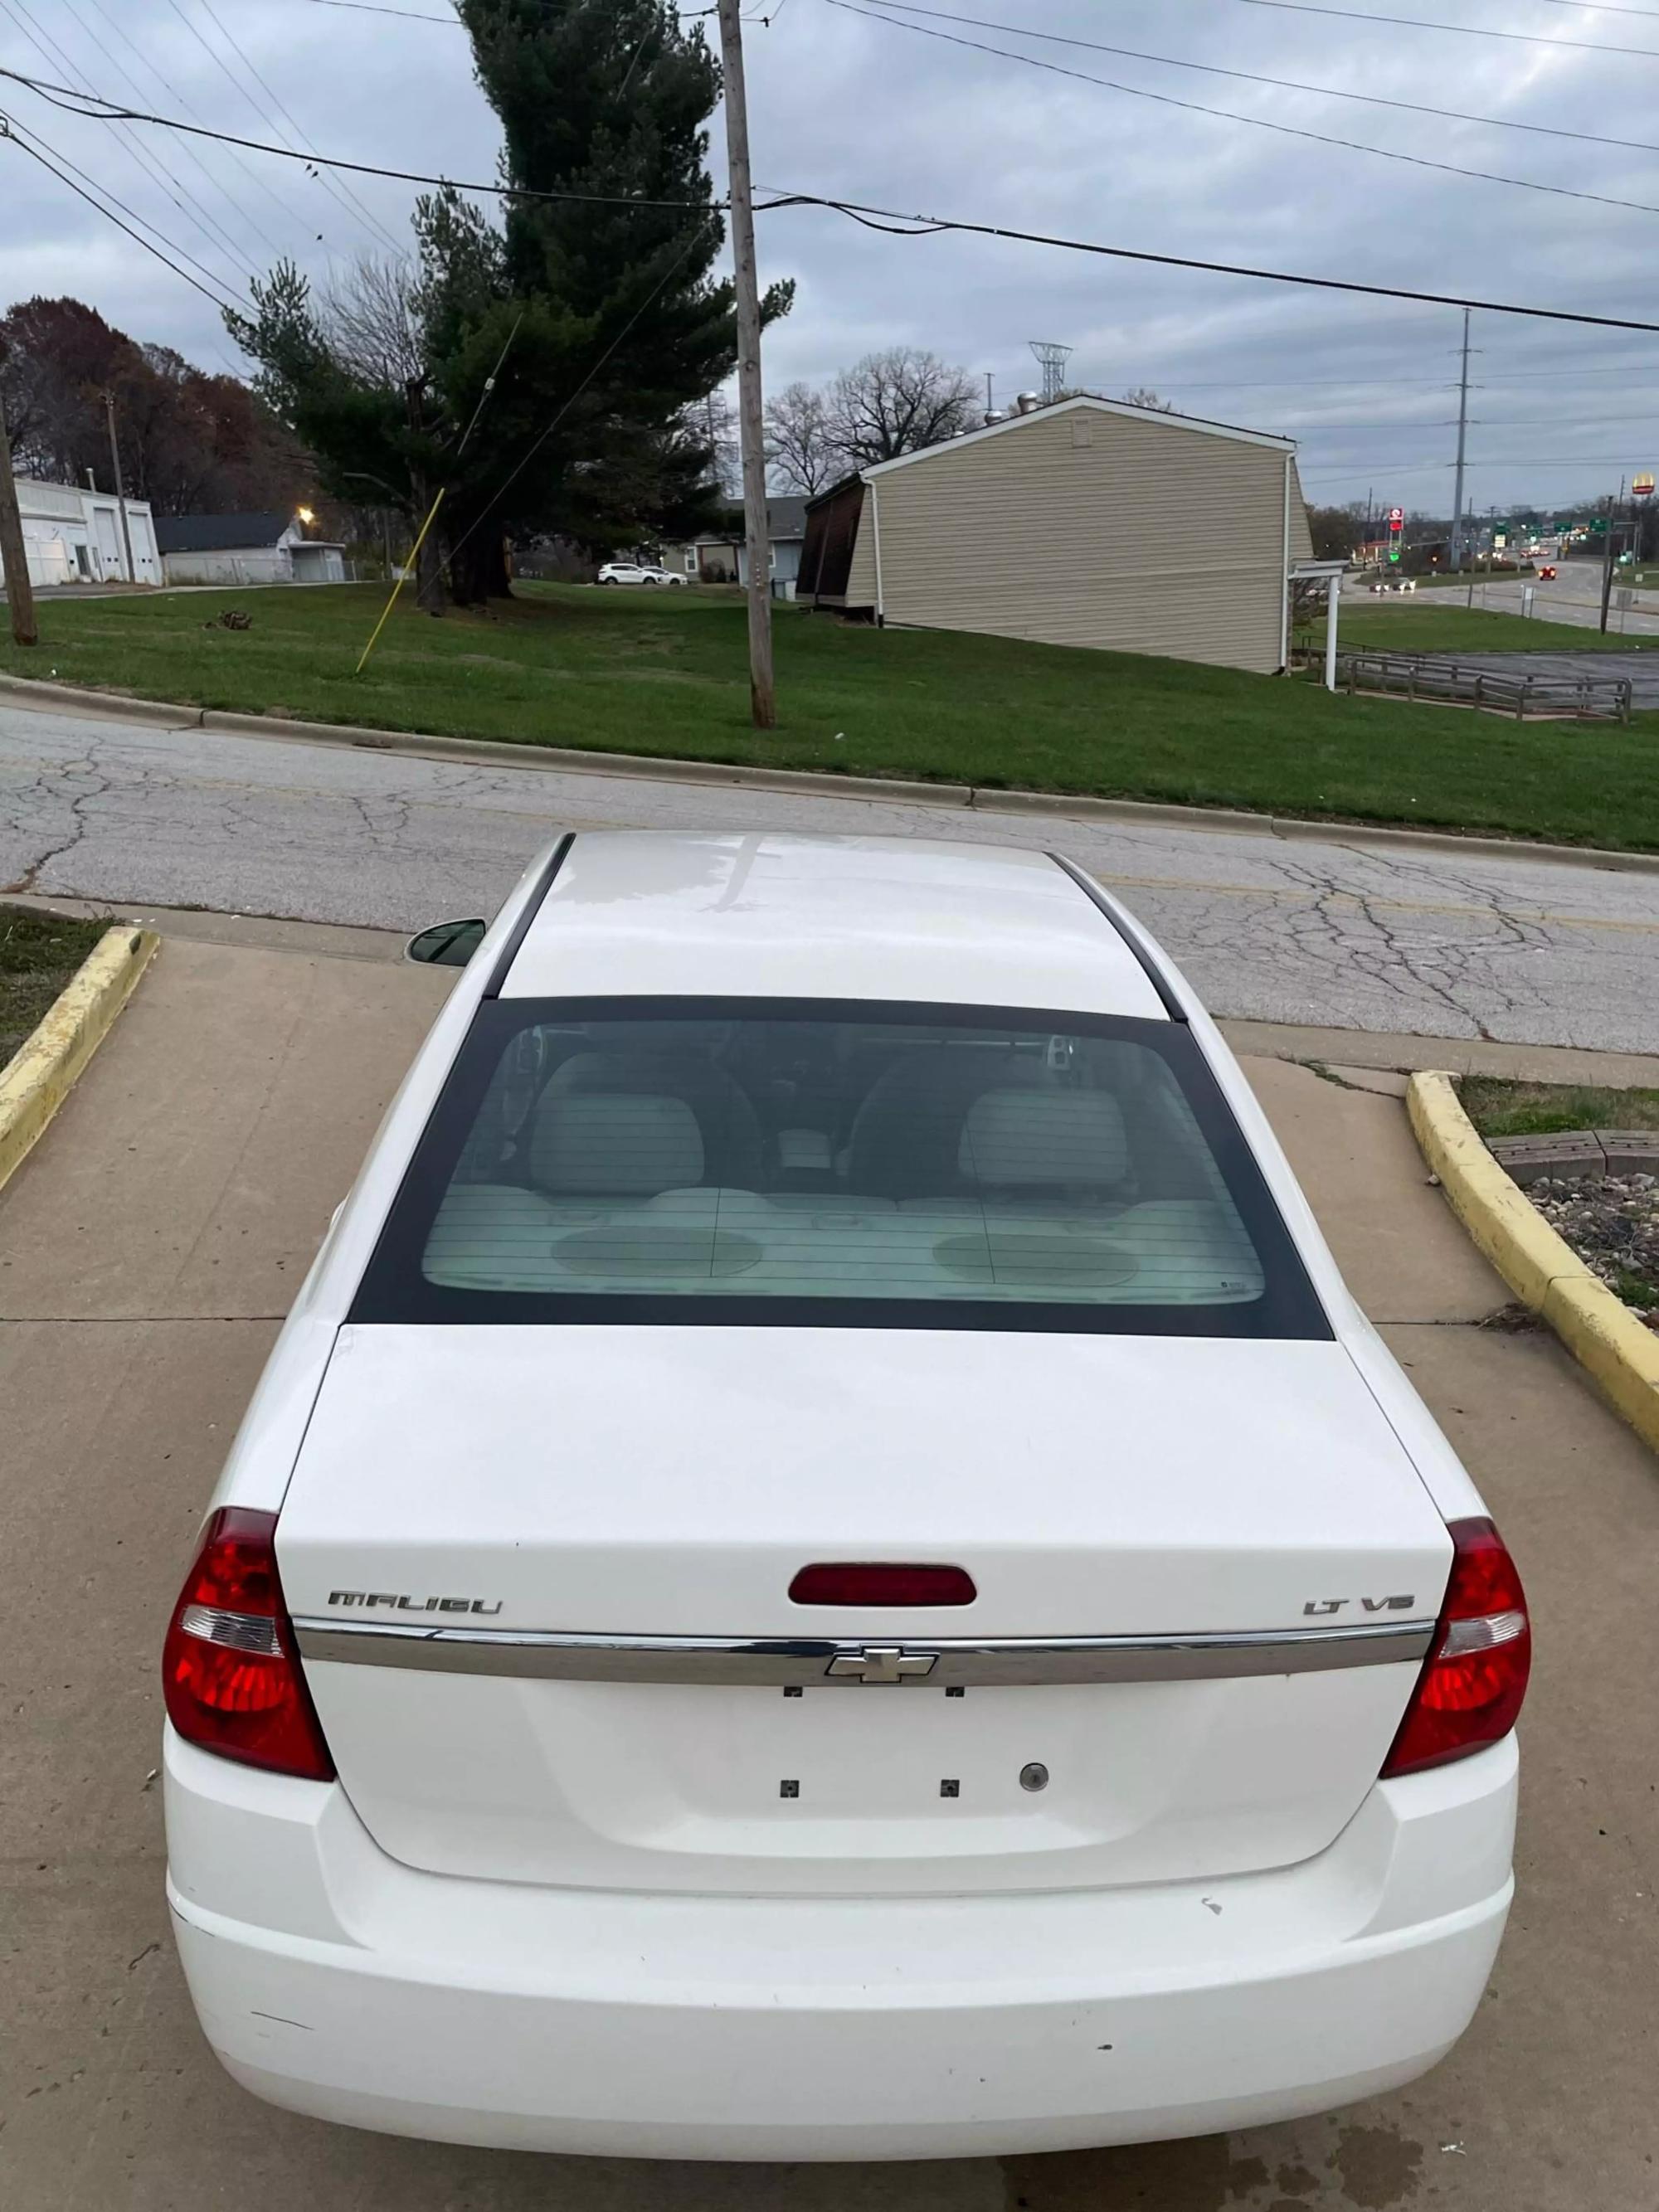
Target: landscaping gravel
1613	1226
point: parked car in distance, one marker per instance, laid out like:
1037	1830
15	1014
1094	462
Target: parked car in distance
637	572
824	1567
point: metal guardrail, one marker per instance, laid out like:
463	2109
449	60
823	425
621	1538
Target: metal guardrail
1432	676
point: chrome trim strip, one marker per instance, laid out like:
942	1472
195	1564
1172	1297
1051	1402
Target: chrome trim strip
812	1662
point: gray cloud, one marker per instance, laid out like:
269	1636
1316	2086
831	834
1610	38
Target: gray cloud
870	110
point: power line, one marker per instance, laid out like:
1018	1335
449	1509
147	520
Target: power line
108	111
10	129
1360	383
341	194
879	218
172	92
219	64
1463	30
892	220
1486	423
44	43
1256	122
408	14
1279	83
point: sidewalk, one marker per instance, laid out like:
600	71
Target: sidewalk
148	1249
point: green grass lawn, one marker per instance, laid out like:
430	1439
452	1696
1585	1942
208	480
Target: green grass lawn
666	672
1499	1108
38	953
1412	626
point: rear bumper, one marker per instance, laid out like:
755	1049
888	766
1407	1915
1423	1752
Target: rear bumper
333	1980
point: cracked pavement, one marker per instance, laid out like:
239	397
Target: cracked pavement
1336	934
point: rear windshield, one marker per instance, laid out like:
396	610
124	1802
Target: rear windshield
747	1161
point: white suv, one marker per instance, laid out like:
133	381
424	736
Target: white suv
637	572
824	1567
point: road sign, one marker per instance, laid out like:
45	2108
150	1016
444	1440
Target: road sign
1642	484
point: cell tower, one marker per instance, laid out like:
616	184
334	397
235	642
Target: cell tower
1053	359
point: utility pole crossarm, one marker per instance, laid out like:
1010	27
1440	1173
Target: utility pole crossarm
762	692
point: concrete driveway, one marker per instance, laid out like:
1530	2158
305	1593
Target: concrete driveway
148	1250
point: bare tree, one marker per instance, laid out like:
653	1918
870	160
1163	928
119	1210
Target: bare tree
1142	395
800	450
371	317
897	401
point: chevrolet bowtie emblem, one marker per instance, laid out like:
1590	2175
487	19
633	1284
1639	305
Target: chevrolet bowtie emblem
883	1664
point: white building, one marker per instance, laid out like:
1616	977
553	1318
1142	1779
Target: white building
75	536
246	548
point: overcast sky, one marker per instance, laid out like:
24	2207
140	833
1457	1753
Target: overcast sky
843	105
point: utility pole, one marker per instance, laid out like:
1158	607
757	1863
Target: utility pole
13	554
1613	513
761	691
429	568
990	403
1463	427
120	488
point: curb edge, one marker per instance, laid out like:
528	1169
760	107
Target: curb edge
1614	1348
35	1082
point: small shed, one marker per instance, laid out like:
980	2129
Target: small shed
246	549
1088	522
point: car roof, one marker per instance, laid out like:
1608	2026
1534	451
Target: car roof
761	914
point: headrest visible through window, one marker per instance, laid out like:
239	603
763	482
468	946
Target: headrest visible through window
616	1143
1048	1139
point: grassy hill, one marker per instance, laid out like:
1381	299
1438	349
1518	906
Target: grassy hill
665	673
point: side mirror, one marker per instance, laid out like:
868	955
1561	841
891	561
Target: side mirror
447	944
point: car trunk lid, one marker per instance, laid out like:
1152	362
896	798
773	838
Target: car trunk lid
519	1559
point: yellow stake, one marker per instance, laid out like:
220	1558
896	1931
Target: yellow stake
414	555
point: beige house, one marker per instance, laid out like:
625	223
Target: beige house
1088	522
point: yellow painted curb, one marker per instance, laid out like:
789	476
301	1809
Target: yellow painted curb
35	1082
1614	1347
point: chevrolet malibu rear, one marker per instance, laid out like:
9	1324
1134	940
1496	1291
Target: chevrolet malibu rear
824	1567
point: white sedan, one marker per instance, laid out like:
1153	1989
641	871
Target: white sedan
637	572
824	1567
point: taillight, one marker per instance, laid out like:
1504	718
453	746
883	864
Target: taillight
1475	1676
230	1671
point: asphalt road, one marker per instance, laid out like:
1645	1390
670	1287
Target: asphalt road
1572	595
1338	934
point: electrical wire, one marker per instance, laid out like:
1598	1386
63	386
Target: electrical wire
340	192
219	64
530	452
408	14
1279	83
10	129
1483	421
172	92
1463	30
871	216
204	219
1232	115
44	43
